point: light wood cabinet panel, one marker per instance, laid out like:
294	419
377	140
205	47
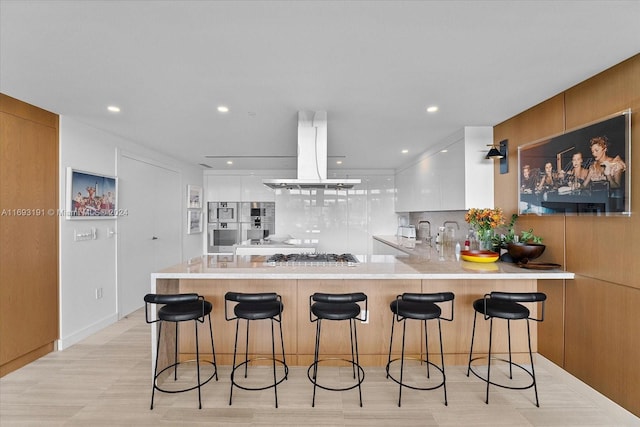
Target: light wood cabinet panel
590	334
373	336
601	337
224	331
28	232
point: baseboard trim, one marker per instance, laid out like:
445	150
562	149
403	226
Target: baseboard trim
69	340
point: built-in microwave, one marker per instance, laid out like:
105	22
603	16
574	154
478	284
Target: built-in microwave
223	212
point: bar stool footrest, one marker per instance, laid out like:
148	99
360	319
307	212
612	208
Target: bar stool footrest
281	362
502	385
315	382
416	387
209	362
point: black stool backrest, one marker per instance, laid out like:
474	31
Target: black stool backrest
519	296
252	304
516	298
255	297
170	299
338	298
437	297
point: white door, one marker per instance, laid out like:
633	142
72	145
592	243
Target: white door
150	234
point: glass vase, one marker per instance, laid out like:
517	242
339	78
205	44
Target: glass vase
485	239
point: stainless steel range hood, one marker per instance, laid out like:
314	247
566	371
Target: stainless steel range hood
312	157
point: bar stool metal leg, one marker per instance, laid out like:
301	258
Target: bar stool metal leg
180	308
507	306
337	307
255	306
420	307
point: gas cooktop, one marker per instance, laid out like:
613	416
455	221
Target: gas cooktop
313	260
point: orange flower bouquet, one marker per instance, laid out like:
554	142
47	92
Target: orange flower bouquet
484	222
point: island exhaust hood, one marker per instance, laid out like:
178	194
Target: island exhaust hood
312	157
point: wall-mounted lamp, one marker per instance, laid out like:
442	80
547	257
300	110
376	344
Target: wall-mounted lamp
500	152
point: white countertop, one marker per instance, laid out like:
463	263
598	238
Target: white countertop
426	265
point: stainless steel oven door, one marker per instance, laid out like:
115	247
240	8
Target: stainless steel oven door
222	236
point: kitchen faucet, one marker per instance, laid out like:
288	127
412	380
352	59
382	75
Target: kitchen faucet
444	224
426	238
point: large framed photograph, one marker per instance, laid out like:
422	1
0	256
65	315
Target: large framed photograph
194	197
91	195
194	222
585	171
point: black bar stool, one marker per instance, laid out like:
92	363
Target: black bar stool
337	307
419	307
256	306
506	305
180	308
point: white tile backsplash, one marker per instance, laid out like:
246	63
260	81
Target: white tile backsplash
340	221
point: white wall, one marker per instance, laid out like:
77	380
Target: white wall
91	264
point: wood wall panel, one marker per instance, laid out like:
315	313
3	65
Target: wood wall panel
551	331
599	322
602	325
536	123
28	232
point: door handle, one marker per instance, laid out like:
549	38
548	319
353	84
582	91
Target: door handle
154	238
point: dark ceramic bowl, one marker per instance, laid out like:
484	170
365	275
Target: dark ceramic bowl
524	252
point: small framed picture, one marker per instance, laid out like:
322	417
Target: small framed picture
194	222
91	195
194	197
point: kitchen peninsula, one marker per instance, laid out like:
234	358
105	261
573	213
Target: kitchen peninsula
381	277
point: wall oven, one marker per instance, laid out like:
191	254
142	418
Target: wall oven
223	212
222	236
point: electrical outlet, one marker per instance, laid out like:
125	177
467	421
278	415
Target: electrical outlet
364	313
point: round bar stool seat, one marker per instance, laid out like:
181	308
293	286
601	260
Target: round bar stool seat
508	306
323	306
256	306
420	307
178	308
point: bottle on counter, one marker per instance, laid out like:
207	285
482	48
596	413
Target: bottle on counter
467	243
457	251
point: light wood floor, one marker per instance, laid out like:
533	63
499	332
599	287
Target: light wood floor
105	380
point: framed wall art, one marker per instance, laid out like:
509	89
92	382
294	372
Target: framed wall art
194	197
194	221
91	195
585	171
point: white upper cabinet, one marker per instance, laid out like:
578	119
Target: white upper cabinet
223	188
253	190
456	179
237	188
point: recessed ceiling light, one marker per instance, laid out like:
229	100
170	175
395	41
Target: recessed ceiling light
444	151
229	162
113	109
432	109
338	162
405	151
223	109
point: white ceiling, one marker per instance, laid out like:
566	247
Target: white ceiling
374	66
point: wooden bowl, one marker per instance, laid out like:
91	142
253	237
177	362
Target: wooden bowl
524	252
479	256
